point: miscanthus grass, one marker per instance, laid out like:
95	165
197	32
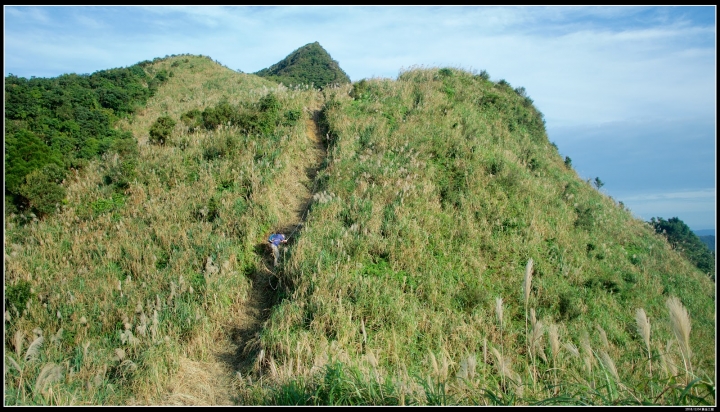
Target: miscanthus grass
431	192
643	327
680	324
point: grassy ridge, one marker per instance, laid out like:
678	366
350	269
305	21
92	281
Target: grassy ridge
115	289
442	185
406	284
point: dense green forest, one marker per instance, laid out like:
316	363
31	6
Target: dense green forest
54	125
441	251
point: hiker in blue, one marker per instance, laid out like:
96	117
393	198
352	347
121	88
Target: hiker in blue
275	240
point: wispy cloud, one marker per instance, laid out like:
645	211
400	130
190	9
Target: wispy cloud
700	195
697	208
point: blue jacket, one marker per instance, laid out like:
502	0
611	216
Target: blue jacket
276	239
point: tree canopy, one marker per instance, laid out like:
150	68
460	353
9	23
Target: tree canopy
65	121
688	243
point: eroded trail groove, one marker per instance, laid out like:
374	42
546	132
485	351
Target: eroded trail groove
234	351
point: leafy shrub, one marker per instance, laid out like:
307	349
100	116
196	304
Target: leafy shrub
222	113
42	189
193	119
363	90
445	72
17	295
569	306
160	130
121	173
291	117
484	75
585	216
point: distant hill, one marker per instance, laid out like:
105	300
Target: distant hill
709	240
310	64
705	232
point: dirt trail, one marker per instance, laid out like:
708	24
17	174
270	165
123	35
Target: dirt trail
217	382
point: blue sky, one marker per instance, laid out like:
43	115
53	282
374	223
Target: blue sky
628	93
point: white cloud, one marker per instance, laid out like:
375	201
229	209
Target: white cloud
29	15
700	195
697	209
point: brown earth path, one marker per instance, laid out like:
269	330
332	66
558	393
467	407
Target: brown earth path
220	380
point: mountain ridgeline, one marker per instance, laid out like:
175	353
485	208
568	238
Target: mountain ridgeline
441	251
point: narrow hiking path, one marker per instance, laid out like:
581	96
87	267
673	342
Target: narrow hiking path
233	354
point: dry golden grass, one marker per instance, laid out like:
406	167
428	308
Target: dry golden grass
200	384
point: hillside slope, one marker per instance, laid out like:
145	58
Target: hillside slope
441	187
441	253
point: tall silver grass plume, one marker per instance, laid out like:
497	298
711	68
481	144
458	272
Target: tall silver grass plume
49	374
34	348
501	363
588	357
528	279
603	336
643	326
462	372
18	341
537	346
433	363
609	364
680	323
362	329
57	336
445	368
667	361
499	310
585	343
471	365
533	319
554	339
485	350
86	346
273	369
519	388
13	363
572	349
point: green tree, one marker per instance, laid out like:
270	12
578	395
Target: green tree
24	153
598	183
686	242
160	130
43	190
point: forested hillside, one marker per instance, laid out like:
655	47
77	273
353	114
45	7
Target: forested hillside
441	251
